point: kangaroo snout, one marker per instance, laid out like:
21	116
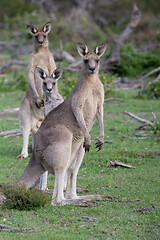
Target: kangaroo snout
92	69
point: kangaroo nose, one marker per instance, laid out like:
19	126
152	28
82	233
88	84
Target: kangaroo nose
40	42
49	89
92	69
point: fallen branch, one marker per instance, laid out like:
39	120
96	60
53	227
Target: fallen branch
150	73
115	163
5	45
146	122
63	55
133	138
113	99
9	228
10	133
11	62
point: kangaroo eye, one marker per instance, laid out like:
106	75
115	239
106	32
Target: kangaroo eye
44	83
97	60
44	36
85	60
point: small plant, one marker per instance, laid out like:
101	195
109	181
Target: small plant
156	129
18	197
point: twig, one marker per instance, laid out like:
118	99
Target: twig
115	163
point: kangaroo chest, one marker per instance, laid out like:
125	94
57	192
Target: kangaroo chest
46	62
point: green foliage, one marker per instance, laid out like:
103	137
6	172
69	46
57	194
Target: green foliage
107	80
14	81
67	82
11	8
133	64
156	129
18	197
69	79
151	91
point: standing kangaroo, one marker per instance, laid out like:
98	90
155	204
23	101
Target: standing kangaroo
51	100
64	134
31	109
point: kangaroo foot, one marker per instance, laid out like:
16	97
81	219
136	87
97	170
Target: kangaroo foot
22	155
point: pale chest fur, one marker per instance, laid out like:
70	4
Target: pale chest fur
51	102
93	98
45	61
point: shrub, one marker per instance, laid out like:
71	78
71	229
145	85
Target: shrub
18	197
151	91
14	81
133	64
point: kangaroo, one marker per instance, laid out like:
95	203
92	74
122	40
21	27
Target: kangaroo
31	109
64	136
51	100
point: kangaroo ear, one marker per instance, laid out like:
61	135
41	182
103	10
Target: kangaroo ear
47	28
57	73
100	50
82	49
40	73
32	30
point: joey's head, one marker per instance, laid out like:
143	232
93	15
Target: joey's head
91	60
49	82
40	36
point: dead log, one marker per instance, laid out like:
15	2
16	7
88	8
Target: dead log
11	62
135	138
150	73
144	121
10	133
114	58
15	229
113	99
6	45
115	163
63	55
58	56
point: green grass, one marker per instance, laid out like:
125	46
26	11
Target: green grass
131	188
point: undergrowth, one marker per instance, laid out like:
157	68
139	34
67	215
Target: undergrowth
21	198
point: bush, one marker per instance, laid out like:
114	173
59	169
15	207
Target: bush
151	91
14	81
18	197
135	64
